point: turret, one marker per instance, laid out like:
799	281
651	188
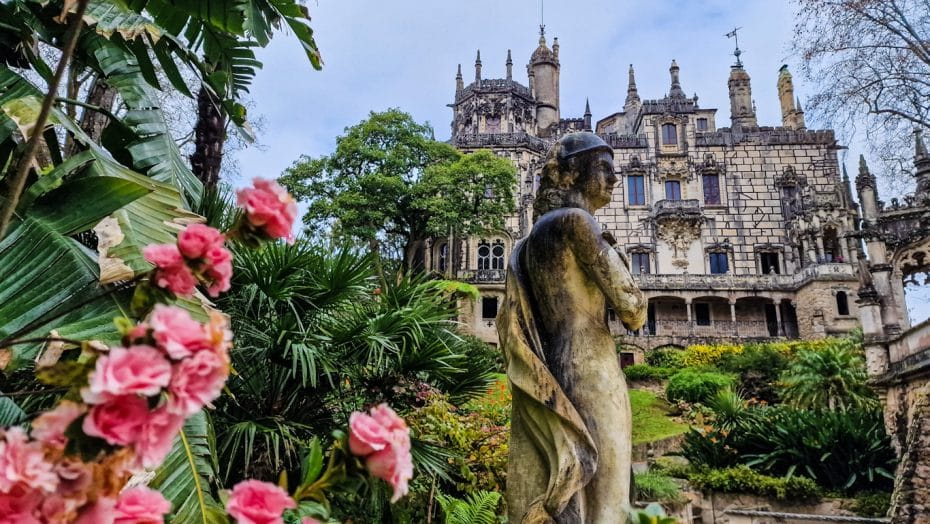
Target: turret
676	91
868	194
921	166
742	109
509	66
587	115
544	78
791	115
459	82
478	68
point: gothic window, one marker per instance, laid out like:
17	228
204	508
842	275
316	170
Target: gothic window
769	263
669	135
842	303
488	307
718	263
831	246
672	190
639	263
789	201
711	188
443	258
484	255
497	255
702	314
702	124
636	190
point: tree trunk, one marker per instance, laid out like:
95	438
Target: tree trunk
93	122
414	256
209	137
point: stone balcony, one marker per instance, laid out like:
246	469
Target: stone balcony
483	276
518	139
731	282
688	209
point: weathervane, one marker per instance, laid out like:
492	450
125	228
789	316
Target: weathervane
732	34
542	19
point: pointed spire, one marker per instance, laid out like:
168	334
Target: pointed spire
921	164
864	179
632	95
478	67
587	115
863	167
555	47
676	91
797	104
509	66
920	151
459	83
542	35
845	174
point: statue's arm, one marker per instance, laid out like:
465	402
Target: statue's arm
605	266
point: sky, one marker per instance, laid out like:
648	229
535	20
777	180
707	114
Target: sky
378	55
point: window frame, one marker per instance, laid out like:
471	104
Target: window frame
714	259
635	267
669	134
842	303
489	302
639	191
701	124
715	190
675	184
484	261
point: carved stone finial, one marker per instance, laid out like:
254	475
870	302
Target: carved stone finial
676	91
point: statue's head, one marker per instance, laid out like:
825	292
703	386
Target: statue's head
579	172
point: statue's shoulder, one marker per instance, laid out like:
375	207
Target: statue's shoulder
567	218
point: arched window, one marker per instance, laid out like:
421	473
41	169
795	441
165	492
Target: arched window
669	134
443	258
842	303
484	255
497	255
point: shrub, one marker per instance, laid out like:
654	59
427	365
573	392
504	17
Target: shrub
667	357
707	354
830	377
692	385
741	479
709	448
653	486
872	504
758	367
647	372
673	466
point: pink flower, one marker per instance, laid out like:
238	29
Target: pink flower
137	370
118	421
383	440
196	240
50	426
218	270
175	332
141	505
393	464
196	381
23	461
171	270
269	208
157	435
19	505
256	502
101	511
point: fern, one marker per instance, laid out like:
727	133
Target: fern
478	508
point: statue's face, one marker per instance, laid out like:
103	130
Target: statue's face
597	179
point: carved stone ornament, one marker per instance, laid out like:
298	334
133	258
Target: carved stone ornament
679	234
789	177
674	169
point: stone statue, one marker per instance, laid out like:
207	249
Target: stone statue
570	448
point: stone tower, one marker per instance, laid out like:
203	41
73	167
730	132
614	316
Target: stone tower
742	112
921	166
792	116
676	91
543	70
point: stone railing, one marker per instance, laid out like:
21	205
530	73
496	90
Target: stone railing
765	135
624	141
501	139
483	276
685	208
755	516
745	282
494	84
718	329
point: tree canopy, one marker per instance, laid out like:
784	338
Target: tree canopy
870	63
389	182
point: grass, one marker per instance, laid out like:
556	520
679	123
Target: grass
651	421
651	417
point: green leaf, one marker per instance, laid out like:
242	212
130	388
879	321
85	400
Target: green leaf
187	478
10	413
80	204
313	462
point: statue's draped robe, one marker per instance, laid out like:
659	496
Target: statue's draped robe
557	456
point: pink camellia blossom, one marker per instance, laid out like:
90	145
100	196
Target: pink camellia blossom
175	332
156	436
19	505
136	370
50	426
257	502
196	240
118	421
141	505
393	464
218	270
383	440
23	461
171	270
196	381
269	208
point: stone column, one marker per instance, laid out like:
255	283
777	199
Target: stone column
690	316
820	254
733	317
778	328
